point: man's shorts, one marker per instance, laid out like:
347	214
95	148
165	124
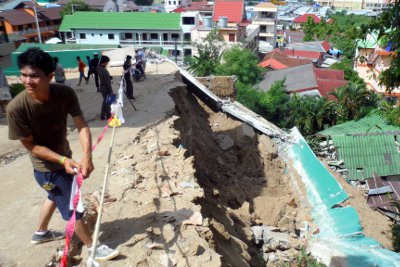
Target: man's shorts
58	185
81	74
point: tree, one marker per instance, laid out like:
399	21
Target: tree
309	28
387	25
354	101
274	102
77	5
242	63
310	113
208	55
249	97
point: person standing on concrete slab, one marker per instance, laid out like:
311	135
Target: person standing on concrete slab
38	118
105	87
127	77
81	69
94	63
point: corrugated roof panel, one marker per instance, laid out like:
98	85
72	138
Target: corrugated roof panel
367	125
121	20
365	154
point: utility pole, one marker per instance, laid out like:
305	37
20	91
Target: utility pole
37	22
176	50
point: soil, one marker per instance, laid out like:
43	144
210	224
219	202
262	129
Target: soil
185	184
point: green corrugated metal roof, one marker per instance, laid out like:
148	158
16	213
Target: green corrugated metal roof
121	20
369	42
365	154
62	47
367	125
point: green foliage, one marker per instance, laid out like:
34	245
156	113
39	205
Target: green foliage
270	104
396	237
242	63
349	73
16	88
306	260
392	115
387	25
309	28
249	97
310	113
208	55
354	102
274	102
342	32
78	5
343	20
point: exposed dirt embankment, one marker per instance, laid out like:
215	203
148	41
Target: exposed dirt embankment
242	177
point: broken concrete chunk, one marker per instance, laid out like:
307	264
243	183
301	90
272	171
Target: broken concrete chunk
272	241
258	233
225	142
183	217
247	130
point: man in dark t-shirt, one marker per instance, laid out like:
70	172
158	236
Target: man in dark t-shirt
38	118
93	64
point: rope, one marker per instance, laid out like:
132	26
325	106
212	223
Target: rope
69	229
91	260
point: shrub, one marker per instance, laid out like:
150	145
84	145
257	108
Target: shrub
396	237
16	88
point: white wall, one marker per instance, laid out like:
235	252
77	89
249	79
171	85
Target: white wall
97	37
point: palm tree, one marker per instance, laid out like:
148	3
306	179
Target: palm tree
354	101
310	113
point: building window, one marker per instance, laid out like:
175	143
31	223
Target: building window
169	2
92	34
82	36
101	34
110	36
153	36
179	2
165	36
188	20
175	36
231	37
128	35
174	3
187	37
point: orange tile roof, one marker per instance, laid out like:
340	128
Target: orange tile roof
302	54
325	86
277	61
329	74
303	18
234	10
266	5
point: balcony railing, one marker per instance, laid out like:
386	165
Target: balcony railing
34	31
263	19
154	42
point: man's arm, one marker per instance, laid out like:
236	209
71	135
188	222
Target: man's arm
85	139
49	155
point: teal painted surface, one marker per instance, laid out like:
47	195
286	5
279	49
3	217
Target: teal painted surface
332	193
67	58
340	228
